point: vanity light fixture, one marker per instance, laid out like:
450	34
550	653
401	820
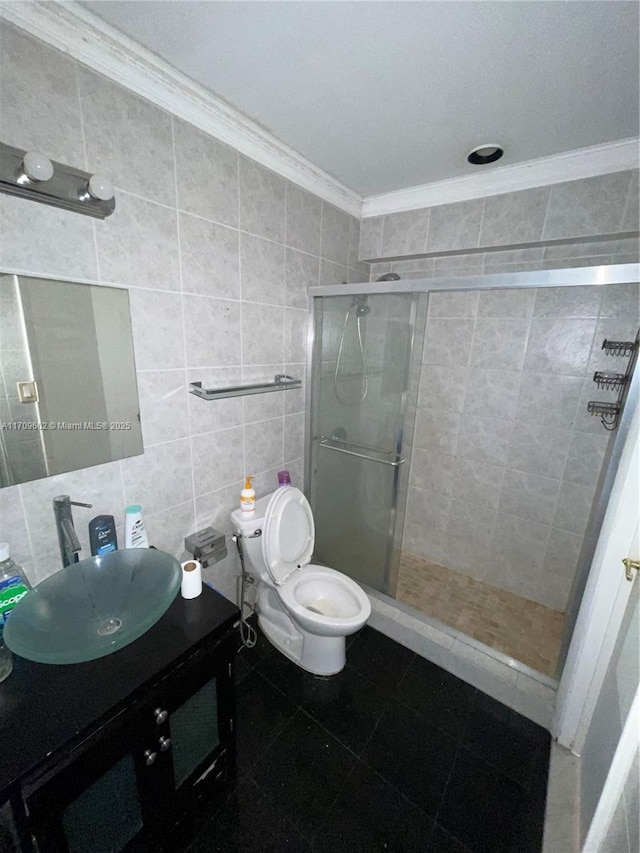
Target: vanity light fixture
32	175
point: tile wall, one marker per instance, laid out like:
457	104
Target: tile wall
505	457
586	209
217	254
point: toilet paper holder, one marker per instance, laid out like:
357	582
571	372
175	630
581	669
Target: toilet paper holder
207	545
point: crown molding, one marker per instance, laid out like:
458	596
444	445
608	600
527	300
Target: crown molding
74	30
544	171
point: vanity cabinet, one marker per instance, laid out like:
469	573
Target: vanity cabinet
132	779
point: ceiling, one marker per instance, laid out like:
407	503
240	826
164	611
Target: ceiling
387	95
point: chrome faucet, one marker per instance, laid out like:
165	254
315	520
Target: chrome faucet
67	536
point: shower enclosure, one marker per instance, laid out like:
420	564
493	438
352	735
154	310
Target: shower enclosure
452	460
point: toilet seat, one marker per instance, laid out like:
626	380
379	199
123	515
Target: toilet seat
288	535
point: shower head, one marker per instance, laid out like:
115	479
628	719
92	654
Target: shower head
389	276
361	305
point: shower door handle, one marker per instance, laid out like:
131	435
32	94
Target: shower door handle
325	442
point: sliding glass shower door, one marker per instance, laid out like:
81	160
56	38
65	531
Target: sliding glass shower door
360	389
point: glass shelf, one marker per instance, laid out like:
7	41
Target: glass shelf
281	382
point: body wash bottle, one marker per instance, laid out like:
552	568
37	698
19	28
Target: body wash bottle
135	536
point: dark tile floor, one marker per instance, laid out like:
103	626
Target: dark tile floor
393	754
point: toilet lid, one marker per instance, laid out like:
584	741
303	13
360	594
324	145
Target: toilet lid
288	535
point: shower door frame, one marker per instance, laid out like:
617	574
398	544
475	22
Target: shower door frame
593	276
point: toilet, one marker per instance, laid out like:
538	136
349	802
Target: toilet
304	609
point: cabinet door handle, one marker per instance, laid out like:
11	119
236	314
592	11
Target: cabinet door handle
165	743
160	715
150	757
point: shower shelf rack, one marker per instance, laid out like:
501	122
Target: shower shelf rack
609	411
281	382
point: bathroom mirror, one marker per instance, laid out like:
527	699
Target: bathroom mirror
68	392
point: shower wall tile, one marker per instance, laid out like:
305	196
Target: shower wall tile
484	440
426	523
432	472
447	342
331	273
587	207
621	301
442	387
574	506
469	531
491	393
529	496
209	258
499	343
405	233
436	431
548	399
137	150
538	449
302	220
559	346
567	302
584	461
449	305
261	407
458	264
517	546
506	303
477	482
455	226
206	175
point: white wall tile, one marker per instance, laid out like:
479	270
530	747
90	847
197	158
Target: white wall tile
209	257
262	201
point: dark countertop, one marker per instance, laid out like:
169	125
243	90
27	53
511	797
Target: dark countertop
49	708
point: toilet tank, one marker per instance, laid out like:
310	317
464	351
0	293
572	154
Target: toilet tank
247	523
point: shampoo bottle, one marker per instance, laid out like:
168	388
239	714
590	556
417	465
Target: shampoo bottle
135	536
248	496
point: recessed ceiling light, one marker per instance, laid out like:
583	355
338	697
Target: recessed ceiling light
483	154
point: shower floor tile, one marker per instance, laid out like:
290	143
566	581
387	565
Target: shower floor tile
509	623
393	754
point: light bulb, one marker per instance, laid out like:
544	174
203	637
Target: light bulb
37	167
100	188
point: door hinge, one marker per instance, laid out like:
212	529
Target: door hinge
629	565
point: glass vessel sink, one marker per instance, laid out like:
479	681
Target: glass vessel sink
93	608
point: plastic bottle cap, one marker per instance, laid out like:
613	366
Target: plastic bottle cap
134	508
247	483
5	551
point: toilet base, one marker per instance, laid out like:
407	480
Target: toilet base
317	655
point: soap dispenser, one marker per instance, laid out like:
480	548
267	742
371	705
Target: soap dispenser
248	496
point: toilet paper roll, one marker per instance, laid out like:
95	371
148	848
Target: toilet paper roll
191	586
